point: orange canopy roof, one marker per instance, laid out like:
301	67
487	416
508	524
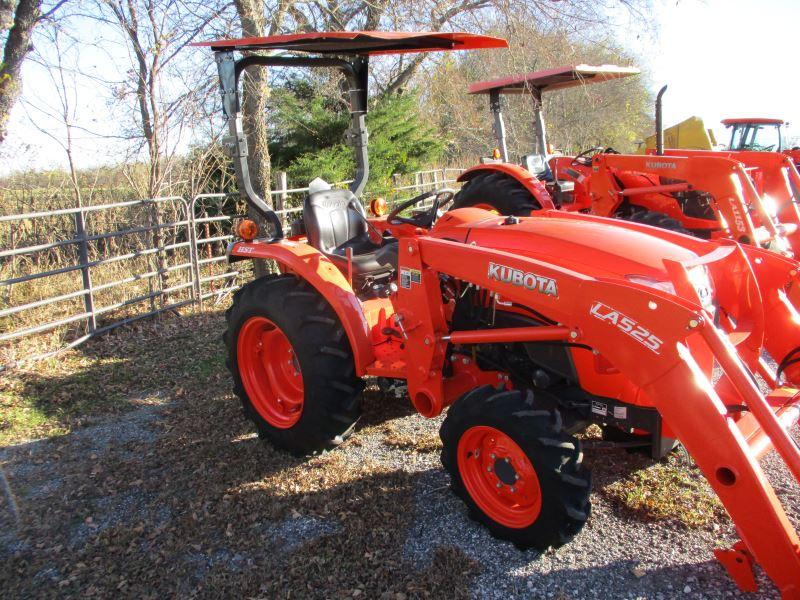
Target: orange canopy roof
552	79
754	120
362	42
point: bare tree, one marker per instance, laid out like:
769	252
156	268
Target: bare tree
156	33
254	19
17	46
60	109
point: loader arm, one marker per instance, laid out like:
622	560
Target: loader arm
779	181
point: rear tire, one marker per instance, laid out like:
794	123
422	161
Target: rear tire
537	498
655	219
497	191
317	351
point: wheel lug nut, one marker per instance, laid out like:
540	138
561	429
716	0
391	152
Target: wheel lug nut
493	457
513	490
516	477
489	469
499	485
508	460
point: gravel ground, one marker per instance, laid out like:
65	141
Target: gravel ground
177	496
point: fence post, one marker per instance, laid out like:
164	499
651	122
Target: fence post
157	241
282	197
193	254
86	276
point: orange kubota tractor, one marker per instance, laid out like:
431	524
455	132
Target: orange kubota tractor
707	194
528	328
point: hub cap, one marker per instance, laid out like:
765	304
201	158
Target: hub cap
499	477
270	372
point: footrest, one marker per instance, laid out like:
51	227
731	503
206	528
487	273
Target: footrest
739	563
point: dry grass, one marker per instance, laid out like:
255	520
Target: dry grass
416	442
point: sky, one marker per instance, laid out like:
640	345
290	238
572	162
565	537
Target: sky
720	58
725	58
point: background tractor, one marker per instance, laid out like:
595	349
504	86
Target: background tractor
706	194
527	330
761	135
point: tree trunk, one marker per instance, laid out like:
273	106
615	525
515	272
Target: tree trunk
254	104
16	49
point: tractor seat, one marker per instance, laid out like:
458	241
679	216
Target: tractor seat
332	226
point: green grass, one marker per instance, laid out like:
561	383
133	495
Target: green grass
20	418
671	489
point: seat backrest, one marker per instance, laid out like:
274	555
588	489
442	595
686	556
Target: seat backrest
330	220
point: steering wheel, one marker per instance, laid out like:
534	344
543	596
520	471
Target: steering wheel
584	159
425	220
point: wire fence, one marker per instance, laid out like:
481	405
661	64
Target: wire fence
71	274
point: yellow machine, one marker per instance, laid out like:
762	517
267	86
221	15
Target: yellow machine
690	134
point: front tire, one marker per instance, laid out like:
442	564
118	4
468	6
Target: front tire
292	365
498	192
514	467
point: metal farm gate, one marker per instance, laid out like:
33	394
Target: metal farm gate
71	274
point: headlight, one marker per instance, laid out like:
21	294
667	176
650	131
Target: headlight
701	281
699	278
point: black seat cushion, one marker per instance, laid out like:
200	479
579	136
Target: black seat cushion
335	221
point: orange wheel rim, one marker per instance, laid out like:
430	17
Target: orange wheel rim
488	207
270	372
499	477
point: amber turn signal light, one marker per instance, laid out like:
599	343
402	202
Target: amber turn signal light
378	207
247	230
496	154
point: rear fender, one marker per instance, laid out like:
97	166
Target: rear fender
314	267
528	180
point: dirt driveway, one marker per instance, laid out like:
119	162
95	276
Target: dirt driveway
150	483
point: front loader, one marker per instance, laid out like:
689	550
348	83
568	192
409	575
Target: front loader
526	330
